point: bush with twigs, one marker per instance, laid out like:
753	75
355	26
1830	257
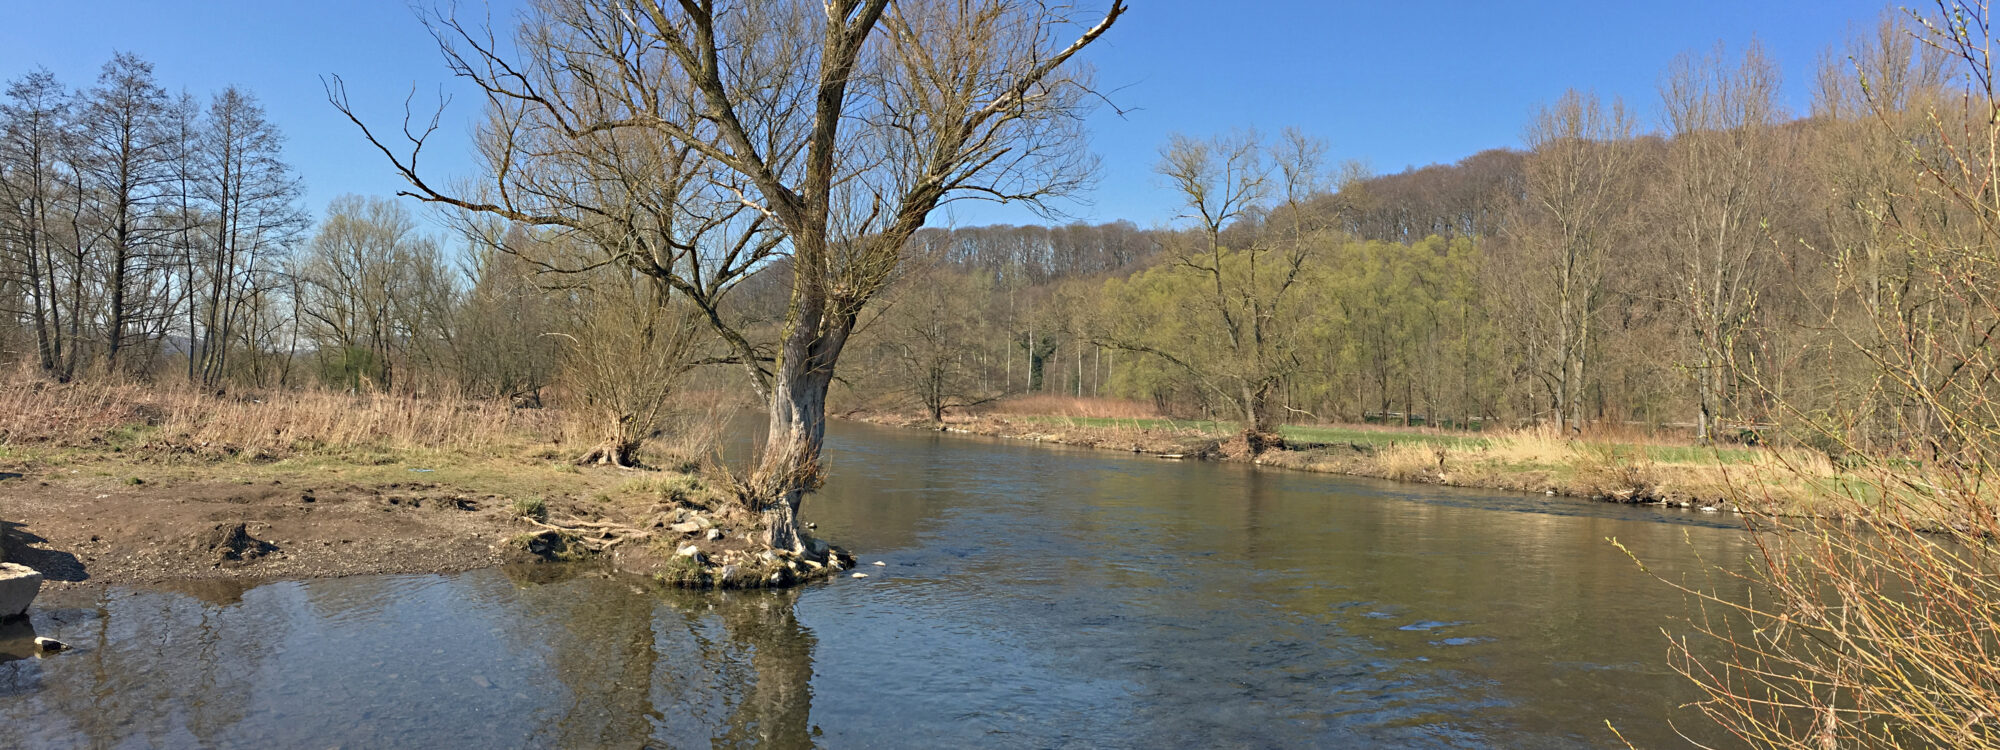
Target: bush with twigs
1876	622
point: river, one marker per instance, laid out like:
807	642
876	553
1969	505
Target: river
1032	596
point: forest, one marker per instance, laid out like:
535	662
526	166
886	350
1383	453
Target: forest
1729	273
1723	273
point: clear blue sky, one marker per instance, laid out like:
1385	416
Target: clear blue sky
1394	84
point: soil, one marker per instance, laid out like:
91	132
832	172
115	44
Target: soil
86	529
215	530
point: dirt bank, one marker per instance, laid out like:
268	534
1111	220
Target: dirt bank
125	483
94	519
82	533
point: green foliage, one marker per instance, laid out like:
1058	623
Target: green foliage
1374	327
531	507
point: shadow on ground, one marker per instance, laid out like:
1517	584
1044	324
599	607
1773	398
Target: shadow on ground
17	545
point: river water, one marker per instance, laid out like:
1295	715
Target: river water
1033	597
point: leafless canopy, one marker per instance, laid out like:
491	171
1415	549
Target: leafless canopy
698	140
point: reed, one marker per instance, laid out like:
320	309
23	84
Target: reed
270	424
1073	407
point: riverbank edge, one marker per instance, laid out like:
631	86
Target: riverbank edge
205	523
1702	489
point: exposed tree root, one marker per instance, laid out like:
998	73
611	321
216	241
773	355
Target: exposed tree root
595	536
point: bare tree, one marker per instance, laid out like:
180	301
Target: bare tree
363	283
932	340
501	342
1577	199
124	152
1247	286
840	125
1719	183
251	198
630	348
31	122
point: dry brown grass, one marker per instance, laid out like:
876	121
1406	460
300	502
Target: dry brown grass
1045	405
170	419
1405	462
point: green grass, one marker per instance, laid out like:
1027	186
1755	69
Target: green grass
1699	454
531	507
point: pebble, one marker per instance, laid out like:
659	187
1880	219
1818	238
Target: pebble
879	563
860	575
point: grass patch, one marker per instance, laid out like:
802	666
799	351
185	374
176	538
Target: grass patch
1701	454
531	507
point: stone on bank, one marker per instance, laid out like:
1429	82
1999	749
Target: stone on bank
18	586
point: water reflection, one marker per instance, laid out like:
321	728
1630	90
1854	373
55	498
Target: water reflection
17	639
1029	598
502	658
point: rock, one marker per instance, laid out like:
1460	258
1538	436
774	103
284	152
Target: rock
880	564
727	576
689	551
549	544
18	586
860	575
685	527
1708	509
715	535
50	645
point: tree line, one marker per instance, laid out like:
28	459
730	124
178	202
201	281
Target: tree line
135	223
151	235
1726	270
1723	270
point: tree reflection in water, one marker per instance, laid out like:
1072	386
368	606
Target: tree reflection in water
676	668
523	657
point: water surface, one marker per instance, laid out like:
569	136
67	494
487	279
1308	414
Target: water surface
1032	597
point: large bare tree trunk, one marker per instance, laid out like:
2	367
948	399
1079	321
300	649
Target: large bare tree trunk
790	465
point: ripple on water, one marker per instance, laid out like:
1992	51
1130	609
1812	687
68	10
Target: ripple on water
1429	625
1461	641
